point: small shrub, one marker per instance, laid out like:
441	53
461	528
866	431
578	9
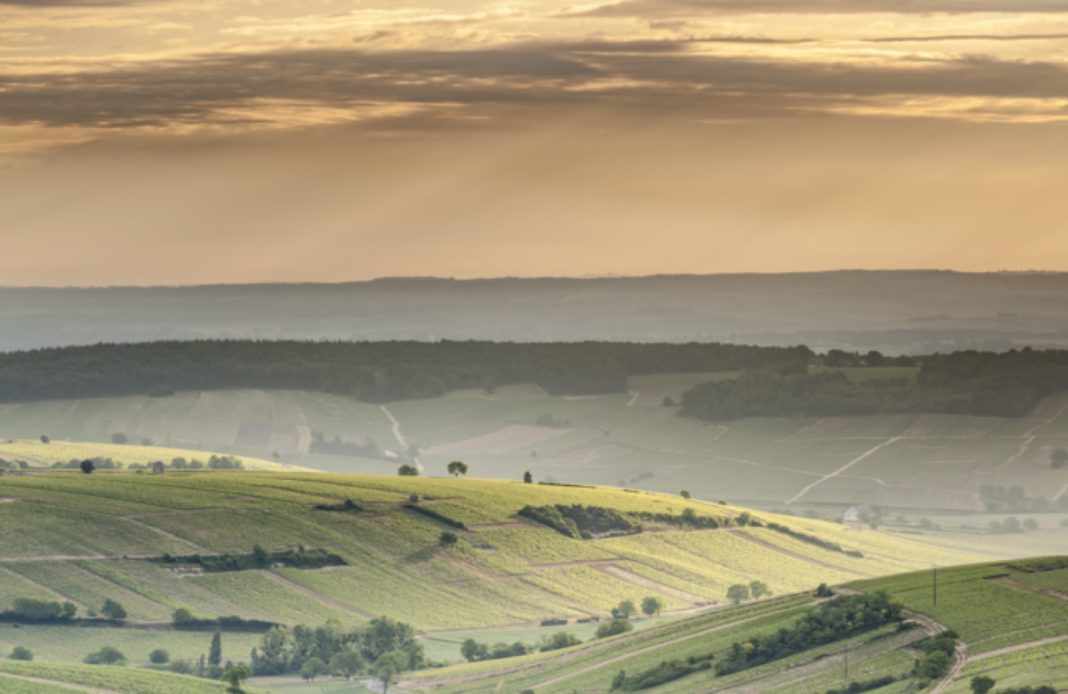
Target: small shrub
108	655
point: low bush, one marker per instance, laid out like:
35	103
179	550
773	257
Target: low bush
666	671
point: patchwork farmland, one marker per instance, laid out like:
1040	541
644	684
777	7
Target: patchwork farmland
908	461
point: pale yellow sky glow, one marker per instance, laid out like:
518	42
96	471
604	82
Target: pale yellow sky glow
185	141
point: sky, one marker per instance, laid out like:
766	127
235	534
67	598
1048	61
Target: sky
193	141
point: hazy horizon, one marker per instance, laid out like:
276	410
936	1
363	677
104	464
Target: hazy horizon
536	277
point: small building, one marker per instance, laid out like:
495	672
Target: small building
158	467
852	515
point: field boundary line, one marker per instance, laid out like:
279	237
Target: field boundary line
1019	647
842	469
397	434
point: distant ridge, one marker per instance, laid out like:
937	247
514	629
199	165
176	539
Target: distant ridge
895	311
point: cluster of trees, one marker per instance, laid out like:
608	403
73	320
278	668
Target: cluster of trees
1007	384
46	611
383	648
582	522
42	611
838	619
367	448
688	518
473	651
259	558
1011	525
937	656
1013	499
215	462
186	620
13	464
665	671
740	592
856	687
814	540
837	358
368	371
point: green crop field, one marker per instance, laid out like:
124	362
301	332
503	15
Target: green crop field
935	463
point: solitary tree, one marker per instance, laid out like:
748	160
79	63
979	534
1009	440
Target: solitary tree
407	470
215	652
738	593
528	478
45	439
159	657
447	538
235	676
113	610
651	606
20	653
182	616
685	494
758	589
87	467
982	684
457	468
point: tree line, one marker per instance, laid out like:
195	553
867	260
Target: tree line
367	371
1008	384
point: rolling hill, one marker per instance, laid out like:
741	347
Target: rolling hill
1009	620
86	539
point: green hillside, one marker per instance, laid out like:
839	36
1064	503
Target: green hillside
912	462
86	539
1010	621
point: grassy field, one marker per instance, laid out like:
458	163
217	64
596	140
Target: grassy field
928	462
503	572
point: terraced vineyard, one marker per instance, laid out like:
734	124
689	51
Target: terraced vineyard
936	462
88	538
